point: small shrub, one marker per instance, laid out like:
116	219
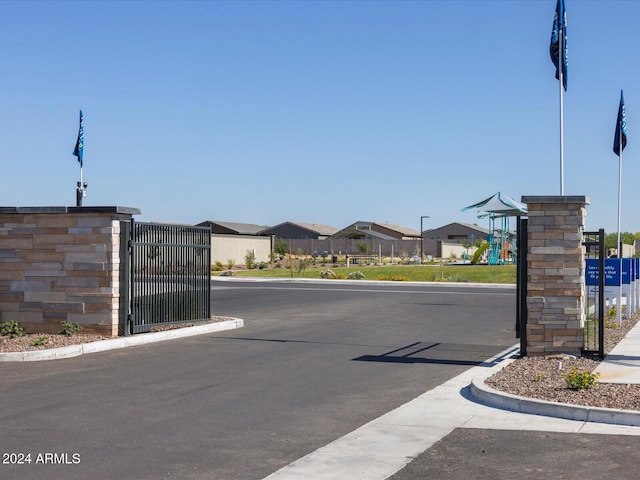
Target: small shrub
250	259
358	275
538	378
227	273
263	265
230	263
40	341
327	274
580	380
69	328
611	317
218	266
11	329
393	278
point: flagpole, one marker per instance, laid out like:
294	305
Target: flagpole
560	83
561	66
81	186
619	309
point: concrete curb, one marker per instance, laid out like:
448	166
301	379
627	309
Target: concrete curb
514	403
218	278
120	342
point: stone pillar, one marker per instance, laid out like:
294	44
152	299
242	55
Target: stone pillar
555	274
62	264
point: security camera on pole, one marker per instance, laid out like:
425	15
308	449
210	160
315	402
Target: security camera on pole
81	186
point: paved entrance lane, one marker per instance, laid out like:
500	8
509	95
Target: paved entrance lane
309	367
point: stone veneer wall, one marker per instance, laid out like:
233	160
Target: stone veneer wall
555	274
62	263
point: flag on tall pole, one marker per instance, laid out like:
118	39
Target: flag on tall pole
560	57
79	150
559	43
620	139
81	189
619	142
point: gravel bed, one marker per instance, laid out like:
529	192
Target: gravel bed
25	343
542	377
51	340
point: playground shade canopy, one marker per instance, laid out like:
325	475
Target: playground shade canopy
498	204
502	242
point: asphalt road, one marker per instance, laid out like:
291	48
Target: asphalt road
312	363
482	454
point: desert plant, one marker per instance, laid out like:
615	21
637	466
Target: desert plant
281	247
250	259
580	380
357	275
218	266
230	263
393	278
298	266
11	329
40	341
69	328
327	274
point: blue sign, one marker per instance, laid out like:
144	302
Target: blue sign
611	272
591	271
626	271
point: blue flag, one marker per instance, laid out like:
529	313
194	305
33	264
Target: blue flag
80	142
620	140
559	32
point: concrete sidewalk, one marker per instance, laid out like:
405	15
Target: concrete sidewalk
385	445
622	364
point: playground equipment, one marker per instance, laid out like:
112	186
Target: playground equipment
499	208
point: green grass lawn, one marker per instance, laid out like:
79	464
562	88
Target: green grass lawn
409	273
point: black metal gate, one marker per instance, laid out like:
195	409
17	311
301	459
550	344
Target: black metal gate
594	298
168	276
521	285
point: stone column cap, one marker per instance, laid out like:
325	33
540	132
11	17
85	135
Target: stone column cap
51	209
556	199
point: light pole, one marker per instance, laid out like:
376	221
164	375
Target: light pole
422	237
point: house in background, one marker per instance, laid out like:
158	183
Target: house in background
297	230
456	232
444	241
371	230
232	228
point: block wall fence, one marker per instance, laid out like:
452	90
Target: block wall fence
62	264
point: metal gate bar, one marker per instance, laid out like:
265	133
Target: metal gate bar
169	275
521	285
594	325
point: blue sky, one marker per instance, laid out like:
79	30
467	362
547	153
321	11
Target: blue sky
316	111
